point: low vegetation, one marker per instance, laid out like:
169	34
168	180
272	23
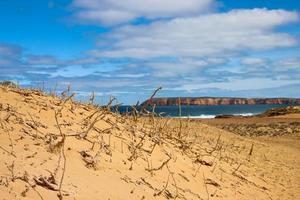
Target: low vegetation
281	111
8	84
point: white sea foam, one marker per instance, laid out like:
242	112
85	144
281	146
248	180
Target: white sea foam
203	116
246	114
198	117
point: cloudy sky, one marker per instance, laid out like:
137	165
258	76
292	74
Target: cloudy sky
127	48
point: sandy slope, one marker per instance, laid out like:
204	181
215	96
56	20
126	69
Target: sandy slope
112	157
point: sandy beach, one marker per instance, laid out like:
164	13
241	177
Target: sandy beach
55	148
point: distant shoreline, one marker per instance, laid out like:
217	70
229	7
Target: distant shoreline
175	101
208	112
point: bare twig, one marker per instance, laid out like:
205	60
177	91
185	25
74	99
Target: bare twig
236	169
149	101
251	150
164	188
11	153
62	153
205	186
92	98
161	166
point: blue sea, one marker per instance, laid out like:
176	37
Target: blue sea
209	111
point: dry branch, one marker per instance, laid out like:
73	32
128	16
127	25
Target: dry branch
150	99
161	166
46	182
165	187
62	153
11	153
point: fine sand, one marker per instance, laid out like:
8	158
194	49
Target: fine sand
55	148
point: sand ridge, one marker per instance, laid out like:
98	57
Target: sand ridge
55	148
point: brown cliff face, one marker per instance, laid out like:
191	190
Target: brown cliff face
219	101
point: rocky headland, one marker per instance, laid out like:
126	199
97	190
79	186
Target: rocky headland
218	101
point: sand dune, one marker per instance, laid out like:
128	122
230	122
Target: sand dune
55	148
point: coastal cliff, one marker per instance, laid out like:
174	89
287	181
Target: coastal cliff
218	101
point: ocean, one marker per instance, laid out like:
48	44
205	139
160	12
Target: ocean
209	111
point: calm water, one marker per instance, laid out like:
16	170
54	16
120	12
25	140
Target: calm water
209	111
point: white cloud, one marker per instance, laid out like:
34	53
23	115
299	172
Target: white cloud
289	63
87	94
42	60
10	58
251	61
105	17
207	36
120	11
237	84
180	67
140	75
276	65
83	61
10	51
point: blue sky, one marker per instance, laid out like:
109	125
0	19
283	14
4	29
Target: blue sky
128	48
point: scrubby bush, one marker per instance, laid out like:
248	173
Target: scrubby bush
8	84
